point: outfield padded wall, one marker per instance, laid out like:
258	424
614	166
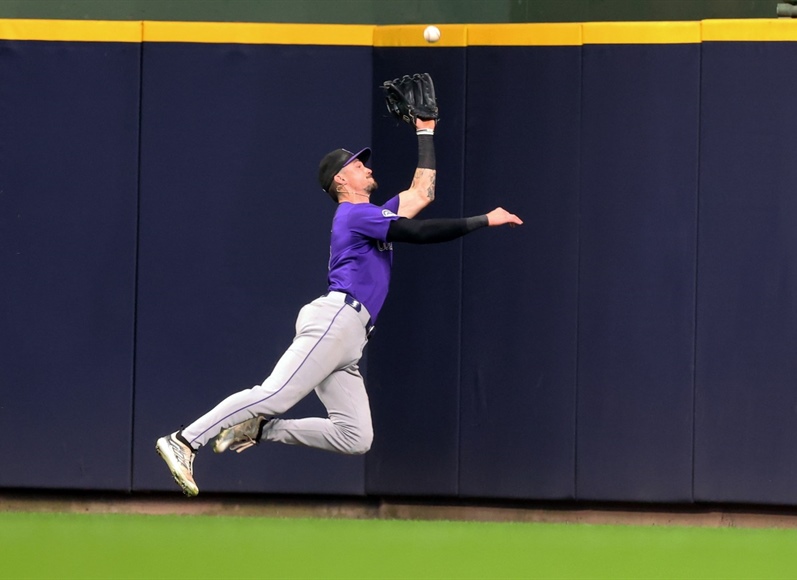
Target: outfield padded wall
745	400
69	121
637	253
234	238
414	389
630	343
520	286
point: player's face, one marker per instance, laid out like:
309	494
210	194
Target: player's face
359	177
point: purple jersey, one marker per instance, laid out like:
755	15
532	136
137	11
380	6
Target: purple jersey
359	255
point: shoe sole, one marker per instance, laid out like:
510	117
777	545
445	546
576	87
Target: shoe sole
187	489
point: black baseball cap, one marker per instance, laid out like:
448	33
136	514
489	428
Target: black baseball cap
336	160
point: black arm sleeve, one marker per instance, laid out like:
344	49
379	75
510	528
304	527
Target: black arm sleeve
426	157
433	231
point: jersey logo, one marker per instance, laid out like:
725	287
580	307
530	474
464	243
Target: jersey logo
384	246
388	213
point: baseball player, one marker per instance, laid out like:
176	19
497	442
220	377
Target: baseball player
332	330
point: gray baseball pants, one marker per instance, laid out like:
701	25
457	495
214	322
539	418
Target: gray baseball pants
324	356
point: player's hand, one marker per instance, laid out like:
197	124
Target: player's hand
499	216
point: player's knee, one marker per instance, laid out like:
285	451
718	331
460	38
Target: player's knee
361	447
360	442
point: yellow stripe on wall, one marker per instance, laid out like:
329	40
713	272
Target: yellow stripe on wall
453	35
641	32
566	34
71	30
778	29
258	33
412	35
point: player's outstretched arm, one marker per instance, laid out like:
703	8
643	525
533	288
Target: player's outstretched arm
422	190
434	231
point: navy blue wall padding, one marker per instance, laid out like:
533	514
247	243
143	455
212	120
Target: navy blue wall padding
746	399
68	187
519	295
235	240
161	225
413	361
639	167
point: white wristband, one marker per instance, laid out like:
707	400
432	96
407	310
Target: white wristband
424	132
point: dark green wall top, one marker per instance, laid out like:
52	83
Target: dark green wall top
388	11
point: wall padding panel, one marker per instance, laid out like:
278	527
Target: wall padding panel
746	402
413	372
235	240
639	167
68	197
519	294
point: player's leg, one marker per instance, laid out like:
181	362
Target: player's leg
347	429
324	343
330	336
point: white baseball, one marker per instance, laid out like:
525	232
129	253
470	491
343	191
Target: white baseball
431	34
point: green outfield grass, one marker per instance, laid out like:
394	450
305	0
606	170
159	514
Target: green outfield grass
43	545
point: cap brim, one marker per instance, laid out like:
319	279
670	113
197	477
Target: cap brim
363	155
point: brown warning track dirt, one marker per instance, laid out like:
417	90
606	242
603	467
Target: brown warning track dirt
399	508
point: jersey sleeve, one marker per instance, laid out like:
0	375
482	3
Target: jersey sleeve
392	204
373	221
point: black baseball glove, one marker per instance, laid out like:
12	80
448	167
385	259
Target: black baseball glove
411	97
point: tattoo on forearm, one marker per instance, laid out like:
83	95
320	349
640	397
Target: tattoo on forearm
417	177
425	180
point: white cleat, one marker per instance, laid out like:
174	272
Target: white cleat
240	437
180	459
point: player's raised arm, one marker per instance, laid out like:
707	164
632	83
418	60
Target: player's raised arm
421	190
412	99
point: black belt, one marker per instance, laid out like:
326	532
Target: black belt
358	306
